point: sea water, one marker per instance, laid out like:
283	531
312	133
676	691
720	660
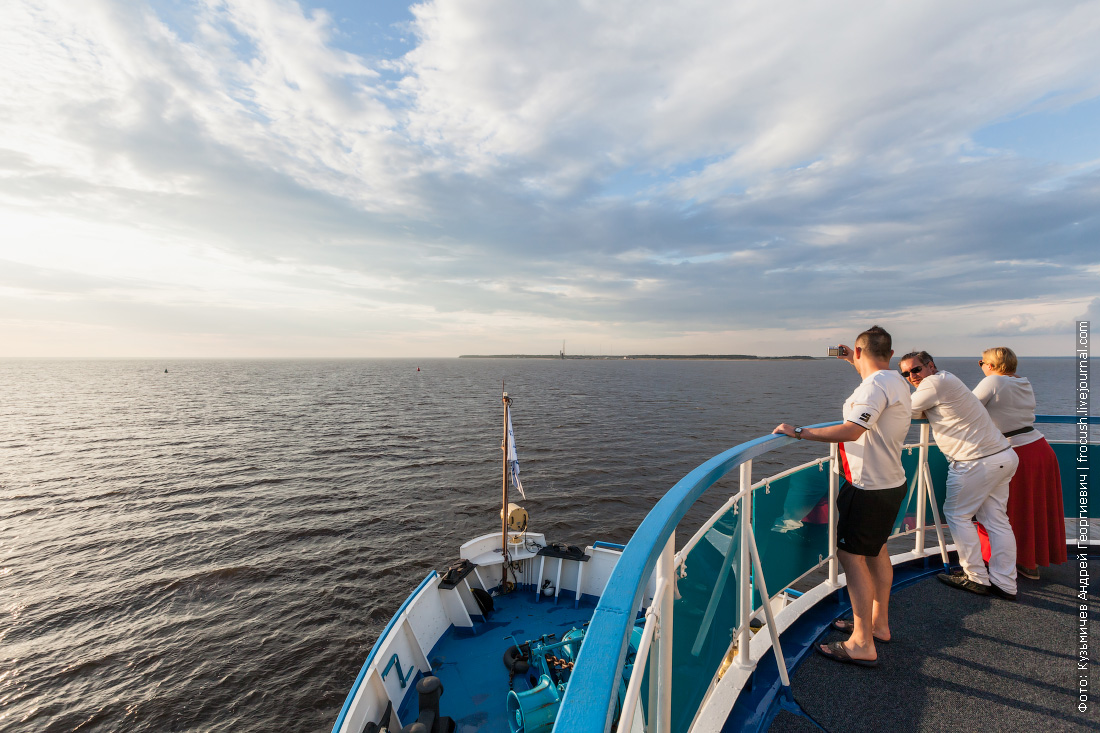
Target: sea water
215	545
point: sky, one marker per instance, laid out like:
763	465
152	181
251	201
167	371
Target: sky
271	178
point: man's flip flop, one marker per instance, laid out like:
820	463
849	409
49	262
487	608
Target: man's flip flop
837	653
844	625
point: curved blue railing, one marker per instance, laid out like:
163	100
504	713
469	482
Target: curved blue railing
587	707
588	704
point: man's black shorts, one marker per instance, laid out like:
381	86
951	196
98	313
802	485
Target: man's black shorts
866	517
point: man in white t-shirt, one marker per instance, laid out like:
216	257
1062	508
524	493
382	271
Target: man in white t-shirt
981	464
876	420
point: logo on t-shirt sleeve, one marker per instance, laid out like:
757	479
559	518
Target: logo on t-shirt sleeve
865	417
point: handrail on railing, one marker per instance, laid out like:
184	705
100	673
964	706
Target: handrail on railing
590	699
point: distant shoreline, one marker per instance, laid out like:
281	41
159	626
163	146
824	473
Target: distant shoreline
674	357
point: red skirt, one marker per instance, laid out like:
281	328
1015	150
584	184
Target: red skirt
1035	508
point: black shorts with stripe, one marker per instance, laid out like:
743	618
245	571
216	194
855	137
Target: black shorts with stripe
866	517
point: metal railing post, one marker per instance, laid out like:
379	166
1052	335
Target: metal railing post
936	515
666	581
773	628
652	713
834	488
744	570
922	489
642	660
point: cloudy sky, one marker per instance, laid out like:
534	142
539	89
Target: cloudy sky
370	178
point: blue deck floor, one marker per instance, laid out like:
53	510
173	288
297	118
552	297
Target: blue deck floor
475	680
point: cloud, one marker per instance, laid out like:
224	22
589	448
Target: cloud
730	90
1024	325
636	168
1093	313
136	106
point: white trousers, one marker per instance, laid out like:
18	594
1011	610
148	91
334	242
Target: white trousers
979	490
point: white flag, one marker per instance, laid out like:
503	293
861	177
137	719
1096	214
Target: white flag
513	459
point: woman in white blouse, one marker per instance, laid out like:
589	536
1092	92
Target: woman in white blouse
1035	494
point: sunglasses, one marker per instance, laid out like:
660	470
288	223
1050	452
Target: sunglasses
980	362
914	370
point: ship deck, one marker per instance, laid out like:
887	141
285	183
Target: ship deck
471	668
957	662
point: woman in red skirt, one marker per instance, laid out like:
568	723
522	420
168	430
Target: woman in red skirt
1035	494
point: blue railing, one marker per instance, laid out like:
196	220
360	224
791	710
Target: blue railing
591	699
589	703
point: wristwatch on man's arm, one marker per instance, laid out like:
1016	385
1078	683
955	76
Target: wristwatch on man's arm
798	433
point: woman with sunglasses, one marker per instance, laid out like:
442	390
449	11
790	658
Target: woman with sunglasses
1035	492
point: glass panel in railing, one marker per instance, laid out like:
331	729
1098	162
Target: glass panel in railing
1069	463
907	514
791	525
705	616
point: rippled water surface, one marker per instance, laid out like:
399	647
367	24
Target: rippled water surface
217	547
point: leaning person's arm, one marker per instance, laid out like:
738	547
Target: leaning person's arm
924	398
984	390
843	433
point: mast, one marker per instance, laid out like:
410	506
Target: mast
504	490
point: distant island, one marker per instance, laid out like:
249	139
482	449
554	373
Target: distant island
681	357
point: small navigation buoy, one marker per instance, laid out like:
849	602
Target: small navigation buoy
417	369
165	371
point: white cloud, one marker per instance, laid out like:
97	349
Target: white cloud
107	94
1092	313
638	168
578	90
1024	324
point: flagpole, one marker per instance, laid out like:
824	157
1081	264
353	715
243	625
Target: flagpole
504	491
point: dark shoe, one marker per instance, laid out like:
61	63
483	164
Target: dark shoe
836	652
996	590
959	580
1031	573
